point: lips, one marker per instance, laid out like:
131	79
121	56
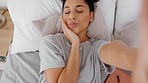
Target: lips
72	25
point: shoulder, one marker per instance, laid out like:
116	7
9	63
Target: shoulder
55	40
98	42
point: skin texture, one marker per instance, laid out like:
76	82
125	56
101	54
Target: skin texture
75	20
141	69
77	17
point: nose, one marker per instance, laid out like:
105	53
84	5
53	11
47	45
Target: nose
72	16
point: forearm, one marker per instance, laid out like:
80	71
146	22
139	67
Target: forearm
127	60
71	72
119	55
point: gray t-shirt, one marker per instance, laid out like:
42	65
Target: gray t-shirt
54	53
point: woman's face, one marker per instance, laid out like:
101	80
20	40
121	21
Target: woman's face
77	15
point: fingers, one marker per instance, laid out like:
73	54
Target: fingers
63	23
64	26
61	19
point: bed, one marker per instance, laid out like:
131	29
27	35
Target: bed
22	68
32	19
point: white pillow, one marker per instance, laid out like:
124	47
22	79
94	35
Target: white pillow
48	25
130	34
22	12
52	25
108	10
127	12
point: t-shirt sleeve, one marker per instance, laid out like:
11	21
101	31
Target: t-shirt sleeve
50	54
108	68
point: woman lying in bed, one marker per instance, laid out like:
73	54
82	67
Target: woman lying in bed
73	57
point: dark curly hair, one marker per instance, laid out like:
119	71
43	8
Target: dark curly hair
90	3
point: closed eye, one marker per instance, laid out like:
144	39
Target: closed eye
67	12
80	11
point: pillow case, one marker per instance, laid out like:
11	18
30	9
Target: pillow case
127	22
48	25
130	34
108	10
52	25
127	12
22	12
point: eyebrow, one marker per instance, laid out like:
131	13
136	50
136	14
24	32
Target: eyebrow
76	6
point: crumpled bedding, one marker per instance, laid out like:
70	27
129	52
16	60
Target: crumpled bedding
22	68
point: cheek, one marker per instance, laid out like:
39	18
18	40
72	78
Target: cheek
85	21
85	17
65	19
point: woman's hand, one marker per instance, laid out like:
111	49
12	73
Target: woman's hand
73	38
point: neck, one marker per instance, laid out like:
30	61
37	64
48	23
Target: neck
83	37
